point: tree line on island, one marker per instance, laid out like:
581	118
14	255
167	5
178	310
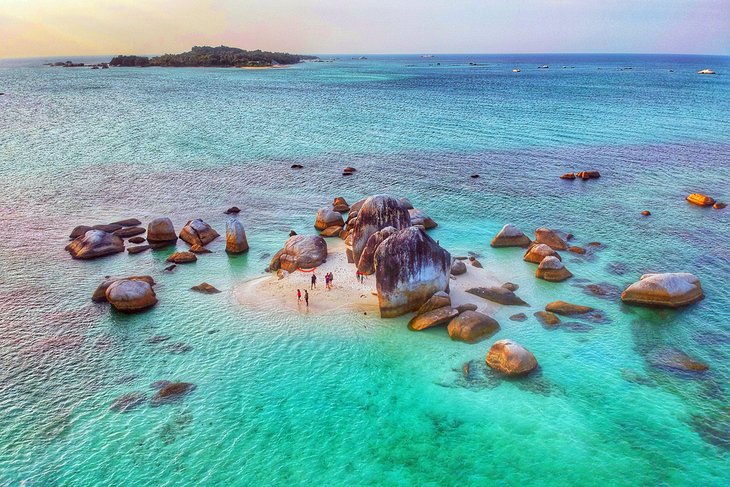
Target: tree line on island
214	57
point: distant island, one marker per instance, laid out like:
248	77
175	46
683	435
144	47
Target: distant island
214	57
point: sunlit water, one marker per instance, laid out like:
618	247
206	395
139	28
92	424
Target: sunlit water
343	399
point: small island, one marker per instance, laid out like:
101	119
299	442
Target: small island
214	57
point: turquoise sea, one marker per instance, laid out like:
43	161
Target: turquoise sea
347	399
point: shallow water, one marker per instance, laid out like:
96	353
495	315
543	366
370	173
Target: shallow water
353	399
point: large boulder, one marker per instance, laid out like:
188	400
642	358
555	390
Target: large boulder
300	252
435	317
458	267
131	296
236	242
327	217
376	213
419	217
340	205
551	238
333	231
510	236
409	268
99	295
197	232
670	290
499	295
95	243
128	222
537	252
182	258
552	269
567	309
511	358
700	199
161	230
438	300
472	327
366	264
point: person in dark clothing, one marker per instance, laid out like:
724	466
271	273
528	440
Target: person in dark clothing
306	297
314	281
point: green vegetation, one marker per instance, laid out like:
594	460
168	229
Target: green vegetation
206	56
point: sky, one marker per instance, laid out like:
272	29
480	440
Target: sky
108	27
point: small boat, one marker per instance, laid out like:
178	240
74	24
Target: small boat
516	70
427	55
544	66
706	71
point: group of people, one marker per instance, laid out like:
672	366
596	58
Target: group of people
328	278
360	277
306	296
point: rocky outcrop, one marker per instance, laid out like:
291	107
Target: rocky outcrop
366	264
300	252
511	358
205	288
131	296
671	290
99	295
567	309
499	295
436	317
340	205
552	269
182	257
197	232
510	236
568	175
438	300
409	268
95	243
537	252
161	230
236	242
719	205
458	268
550	238
419	217
376	213
326	217
472	327
700	199
585	175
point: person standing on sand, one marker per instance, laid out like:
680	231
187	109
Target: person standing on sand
314	282
299	295
306	297
332	279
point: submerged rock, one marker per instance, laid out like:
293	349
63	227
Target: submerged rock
326	217
472	327
438	300
603	290
511	358
547	318
161	230
131	296
182	258
127	402
498	295
671	358
409	268
236	242
300	252
99	295
510	236
376	213
700	199
518	317
670	290
552	269
550	238
435	317
537	252
95	243
171	391
197	232
458	268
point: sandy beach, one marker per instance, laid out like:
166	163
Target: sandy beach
347	295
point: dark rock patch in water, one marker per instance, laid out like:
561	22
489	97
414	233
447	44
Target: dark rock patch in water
178	348
127	402
158	338
170	391
518	317
603	290
475	374
576	326
676	361
618	268
714	430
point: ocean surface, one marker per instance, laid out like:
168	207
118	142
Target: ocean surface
346	399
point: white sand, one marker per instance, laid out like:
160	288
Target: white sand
347	294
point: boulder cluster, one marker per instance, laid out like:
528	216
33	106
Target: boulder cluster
584	175
700	199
